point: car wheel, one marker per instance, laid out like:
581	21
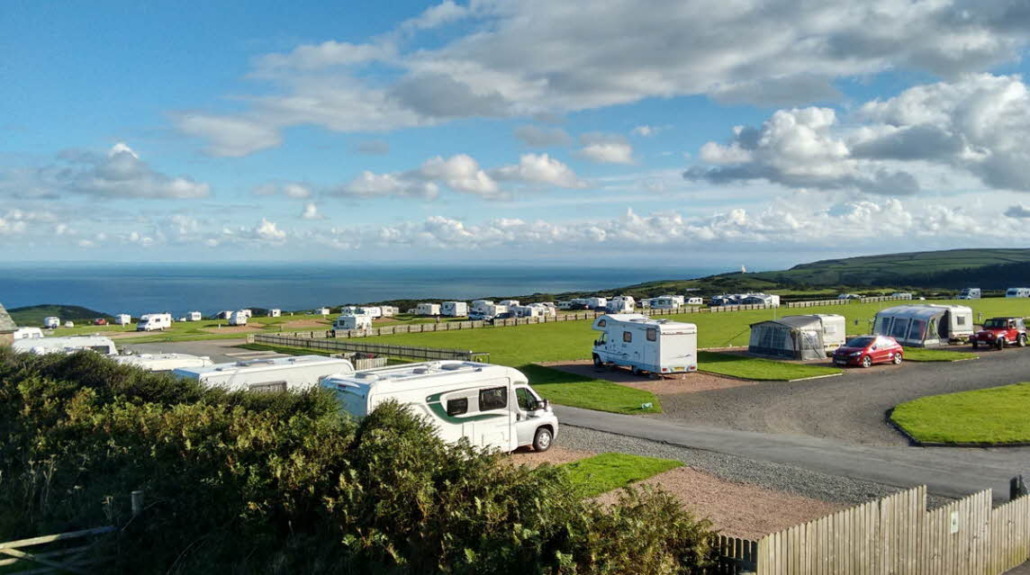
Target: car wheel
867	361
976	344
597	361
542	440
1021	340
898	359
1000	344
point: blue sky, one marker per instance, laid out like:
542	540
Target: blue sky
765	133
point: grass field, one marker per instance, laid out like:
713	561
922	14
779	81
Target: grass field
578	391
996	416
759	369
920	354
607	471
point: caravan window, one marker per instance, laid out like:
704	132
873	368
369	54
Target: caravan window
493	398
882	325
900	328
915	333
457	406
652	334
960	320
627	336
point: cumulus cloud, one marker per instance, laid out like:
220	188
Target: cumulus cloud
535	56
311	212
539	137
461	173
646	131
539	169
268	231
605	149
371	185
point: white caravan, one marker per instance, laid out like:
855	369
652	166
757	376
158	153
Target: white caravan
350	310
239	317
123	319
695	301
834	326
51	322
322	311
28	333
595	302
359	322
925	325
657	346
278	374
527	311
154	321
71	344
509	303
489	405
480	306
969	293
665	302
163	361
194	316
275	312
427	309
1017	292
389	310
621	304
454	309
372	311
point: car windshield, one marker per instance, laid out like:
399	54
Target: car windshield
860	341
995	323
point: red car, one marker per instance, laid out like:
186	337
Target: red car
865	350
100	321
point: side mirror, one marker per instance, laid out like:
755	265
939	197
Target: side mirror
542	404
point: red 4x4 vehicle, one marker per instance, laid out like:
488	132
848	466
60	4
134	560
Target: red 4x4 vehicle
1001	331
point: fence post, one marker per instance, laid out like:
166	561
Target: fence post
137	502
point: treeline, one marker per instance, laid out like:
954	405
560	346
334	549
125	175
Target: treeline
281	483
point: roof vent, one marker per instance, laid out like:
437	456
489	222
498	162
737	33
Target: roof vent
451	366
420	370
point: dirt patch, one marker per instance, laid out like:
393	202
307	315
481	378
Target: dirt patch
668	385
305	324
736	509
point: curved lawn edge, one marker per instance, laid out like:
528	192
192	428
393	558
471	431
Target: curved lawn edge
967	418
759	369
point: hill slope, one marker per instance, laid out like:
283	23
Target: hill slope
33	315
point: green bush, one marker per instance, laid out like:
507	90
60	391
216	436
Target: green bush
281	483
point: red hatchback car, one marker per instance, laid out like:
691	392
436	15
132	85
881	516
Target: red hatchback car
865	350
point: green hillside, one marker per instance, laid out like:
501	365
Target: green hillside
33	315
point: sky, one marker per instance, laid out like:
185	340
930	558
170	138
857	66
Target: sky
623	132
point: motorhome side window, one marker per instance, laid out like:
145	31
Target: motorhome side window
627	336
652	334
493	398
457	406
960	320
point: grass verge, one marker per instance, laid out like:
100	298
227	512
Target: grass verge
995	415
919	354
607	471
578	391
758	369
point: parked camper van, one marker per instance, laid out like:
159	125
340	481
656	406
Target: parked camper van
358	322
1017	292
621	304
427	309
51	322
123	319
154	321
239	317
643	344
71	344
969	293
490	405
277	374
163	361
194	316
454	309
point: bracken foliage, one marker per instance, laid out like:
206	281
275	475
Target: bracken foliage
282	483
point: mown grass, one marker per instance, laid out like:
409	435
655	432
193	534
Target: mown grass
758	369
607	471
920	354
578	391
991	416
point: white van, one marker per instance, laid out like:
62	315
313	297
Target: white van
154	321
1017	292
239	317
358	322
490	405
642	344
969	293
277	374
51	322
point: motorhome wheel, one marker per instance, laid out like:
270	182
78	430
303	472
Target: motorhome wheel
542	439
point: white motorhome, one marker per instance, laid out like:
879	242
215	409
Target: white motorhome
489	405
427	309
1017	292
454	309
621	304
51	322
643	344
154	321
969	293
359	322
372	311
239	317
194	316
275	312
322	311
123	319
70	344
595	302
28	333
277	374
163	361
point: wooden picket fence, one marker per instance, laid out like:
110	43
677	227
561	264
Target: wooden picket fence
337	346
896	535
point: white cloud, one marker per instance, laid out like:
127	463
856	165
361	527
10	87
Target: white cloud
370	185
320	56
646	131
605	149
293	190
539	169
231	136
269	232
461	173
539	137
311	212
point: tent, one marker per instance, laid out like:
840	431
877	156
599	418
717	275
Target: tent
925	325
790	337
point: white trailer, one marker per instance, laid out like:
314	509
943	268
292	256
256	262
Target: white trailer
969	293
278	374
596	302
480	306
194	316
275	312
621	304
834	328
154	321
163	361
643	344
427	309
696	301
509	303
51	322
390	310
239	317
322	311
664	302
123	319
454	309
350	310
1017	292
71	344
28	333
526	311
925	325
358	322
491	406
372	311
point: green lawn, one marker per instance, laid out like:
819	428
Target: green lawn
578	391
997	415
758	369
607	471
920	354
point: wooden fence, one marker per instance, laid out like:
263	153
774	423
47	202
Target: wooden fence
336	346
60	558
896	535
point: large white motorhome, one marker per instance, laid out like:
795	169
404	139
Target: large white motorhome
490	405
163	361
969	293
239	317
70	344
51	322
1017	292
277	374
357	322
642	344
427	309
454	309
154	321
621	304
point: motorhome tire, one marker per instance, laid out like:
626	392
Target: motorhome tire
597	361
542	439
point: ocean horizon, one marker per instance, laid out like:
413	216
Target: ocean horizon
138	288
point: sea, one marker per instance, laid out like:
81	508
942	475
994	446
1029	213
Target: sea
177	288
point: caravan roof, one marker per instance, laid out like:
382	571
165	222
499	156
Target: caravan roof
419	375
255	365
663	325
